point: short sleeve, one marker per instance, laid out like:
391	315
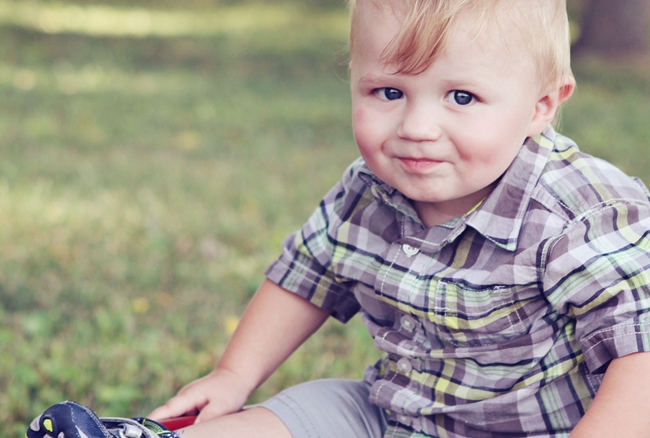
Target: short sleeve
305	265
598	272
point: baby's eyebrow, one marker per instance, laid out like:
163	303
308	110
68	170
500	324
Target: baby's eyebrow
371	81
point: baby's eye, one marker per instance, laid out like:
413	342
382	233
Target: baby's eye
389	93
461	97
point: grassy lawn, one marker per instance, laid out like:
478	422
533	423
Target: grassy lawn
148	177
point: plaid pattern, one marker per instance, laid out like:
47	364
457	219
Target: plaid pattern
497	323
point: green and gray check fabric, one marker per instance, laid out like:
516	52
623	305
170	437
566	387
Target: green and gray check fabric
498	323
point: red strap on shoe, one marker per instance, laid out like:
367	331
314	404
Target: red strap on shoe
178	422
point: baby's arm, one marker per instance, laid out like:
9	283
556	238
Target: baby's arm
622	405
275	323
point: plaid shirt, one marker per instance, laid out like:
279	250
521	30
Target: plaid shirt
500	322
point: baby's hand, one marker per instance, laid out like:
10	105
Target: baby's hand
219	393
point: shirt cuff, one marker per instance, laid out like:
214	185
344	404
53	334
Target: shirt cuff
613	342
315	287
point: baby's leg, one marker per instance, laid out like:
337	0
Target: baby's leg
318	409
250	423
328	408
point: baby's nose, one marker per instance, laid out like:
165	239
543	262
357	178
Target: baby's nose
420	122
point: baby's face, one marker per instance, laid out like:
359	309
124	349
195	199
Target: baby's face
444	136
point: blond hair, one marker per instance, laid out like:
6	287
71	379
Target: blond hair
541	28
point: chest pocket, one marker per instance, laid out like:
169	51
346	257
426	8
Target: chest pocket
465	317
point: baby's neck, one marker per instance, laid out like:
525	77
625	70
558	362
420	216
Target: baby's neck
436	213
429	216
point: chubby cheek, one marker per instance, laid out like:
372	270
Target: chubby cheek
483	159
497	147
361	130
495	153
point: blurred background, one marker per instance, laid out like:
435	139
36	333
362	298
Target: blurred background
153	156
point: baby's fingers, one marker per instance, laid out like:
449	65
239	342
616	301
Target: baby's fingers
176	407
213	410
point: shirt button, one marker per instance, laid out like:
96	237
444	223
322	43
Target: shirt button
409	250
404	365
408	323
404	419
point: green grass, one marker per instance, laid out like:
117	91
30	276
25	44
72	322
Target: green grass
146	182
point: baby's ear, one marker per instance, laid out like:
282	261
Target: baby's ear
547	106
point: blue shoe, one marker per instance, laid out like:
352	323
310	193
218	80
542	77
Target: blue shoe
71	420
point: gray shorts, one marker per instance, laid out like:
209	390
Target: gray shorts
328	408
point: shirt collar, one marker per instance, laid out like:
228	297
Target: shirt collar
388	194
500	216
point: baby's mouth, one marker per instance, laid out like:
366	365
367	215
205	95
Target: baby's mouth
418	165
